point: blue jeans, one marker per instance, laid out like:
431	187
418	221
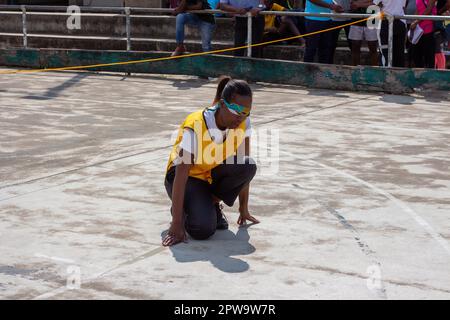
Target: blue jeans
322	43
206	29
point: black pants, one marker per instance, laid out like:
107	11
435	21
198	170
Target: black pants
423	52
199	209
399	57
319	43
335	37
240	35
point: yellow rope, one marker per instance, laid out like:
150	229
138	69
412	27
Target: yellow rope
182	56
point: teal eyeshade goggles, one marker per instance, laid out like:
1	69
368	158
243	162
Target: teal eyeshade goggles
238	109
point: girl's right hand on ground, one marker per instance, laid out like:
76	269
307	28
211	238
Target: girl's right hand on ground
176	234
244	215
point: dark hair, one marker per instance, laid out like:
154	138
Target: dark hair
228	87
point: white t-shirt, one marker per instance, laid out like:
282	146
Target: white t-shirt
189	141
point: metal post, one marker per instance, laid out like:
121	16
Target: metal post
127	27
391	40
249	34
24	26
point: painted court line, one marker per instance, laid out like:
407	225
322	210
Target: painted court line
63	289
366	124
419	220
57	259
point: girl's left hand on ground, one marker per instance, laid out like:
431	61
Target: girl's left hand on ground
244	216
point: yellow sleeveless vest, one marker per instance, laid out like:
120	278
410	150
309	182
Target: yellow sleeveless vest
209	153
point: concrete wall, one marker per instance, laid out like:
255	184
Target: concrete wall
104	3
40	2
145	3
149	34
161	27
393	80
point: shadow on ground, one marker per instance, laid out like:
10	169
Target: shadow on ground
189	84
56	91
219	250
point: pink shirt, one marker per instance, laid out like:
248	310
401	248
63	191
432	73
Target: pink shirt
426	25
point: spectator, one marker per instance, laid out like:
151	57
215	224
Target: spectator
443	7
360	32
397	8
279	27
441	34
338	22
205	22
424	50
445	11
319	43
410	10
241	7
295	6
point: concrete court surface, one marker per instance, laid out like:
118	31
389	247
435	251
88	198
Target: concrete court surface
354	199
